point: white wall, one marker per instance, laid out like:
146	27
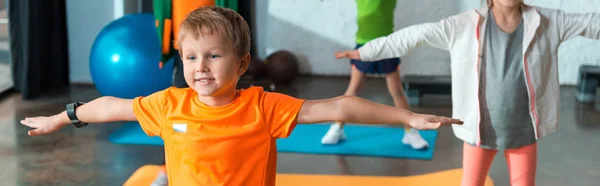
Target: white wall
316	29
85	19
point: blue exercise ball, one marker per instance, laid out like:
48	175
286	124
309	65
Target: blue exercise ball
125	56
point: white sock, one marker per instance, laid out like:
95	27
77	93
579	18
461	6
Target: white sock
414	139
334	135
160	180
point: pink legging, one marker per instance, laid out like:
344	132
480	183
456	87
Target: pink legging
521	165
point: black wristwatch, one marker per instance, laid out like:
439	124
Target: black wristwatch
71	107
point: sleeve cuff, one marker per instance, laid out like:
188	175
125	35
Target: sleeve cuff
365	52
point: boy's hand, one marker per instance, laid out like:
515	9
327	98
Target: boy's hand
426	122
350	54
42	125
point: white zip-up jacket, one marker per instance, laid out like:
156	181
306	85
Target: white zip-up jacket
462	35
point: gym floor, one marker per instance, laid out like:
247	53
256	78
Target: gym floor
86	157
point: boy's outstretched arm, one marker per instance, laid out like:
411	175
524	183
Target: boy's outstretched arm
357	110
103	109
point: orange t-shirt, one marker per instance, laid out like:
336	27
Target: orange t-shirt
233	144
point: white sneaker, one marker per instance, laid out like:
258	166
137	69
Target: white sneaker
414	139
334	135
160	180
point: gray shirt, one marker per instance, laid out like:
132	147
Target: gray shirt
505	118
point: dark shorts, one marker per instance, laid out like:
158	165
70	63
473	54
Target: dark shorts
378	67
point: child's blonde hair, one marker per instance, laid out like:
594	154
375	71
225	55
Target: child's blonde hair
211	19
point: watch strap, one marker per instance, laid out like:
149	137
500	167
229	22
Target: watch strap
71	113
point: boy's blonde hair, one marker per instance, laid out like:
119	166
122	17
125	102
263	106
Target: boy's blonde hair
211	19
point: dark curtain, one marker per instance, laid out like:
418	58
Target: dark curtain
38	30
245	9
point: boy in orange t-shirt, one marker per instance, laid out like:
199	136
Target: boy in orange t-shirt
213	133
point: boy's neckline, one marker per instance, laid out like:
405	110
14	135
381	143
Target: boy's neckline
203	105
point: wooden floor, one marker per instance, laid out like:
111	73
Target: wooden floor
85	156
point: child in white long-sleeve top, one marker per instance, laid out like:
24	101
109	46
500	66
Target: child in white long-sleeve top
504	77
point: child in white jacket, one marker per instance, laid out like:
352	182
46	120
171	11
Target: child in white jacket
504	77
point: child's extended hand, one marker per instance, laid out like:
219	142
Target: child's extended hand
42	125
426	122
350	54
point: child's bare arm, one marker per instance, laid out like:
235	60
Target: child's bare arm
357	110
103	109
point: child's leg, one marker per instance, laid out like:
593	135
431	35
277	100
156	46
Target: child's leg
163	168
336	132
476	164
394	85
391	69
522	164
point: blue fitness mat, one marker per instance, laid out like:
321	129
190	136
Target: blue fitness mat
362	140
132	133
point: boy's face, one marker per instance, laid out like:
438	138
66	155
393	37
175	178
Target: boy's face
211	65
